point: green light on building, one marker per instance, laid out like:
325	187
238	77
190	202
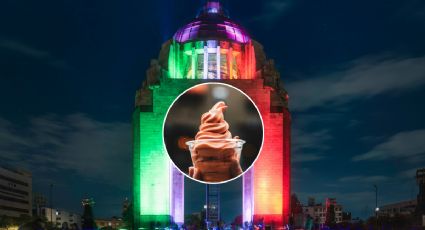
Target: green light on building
151	169
157	185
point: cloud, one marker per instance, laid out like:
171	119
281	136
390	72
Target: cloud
92	149
303	120
362	78
272	10
407	174
23	49
309	146
364	179
401	145
305	157
32	52
302	140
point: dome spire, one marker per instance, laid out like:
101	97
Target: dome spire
213	7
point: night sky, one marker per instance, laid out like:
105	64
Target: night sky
354	70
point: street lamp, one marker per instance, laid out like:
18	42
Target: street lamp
376	204
376	199
51	203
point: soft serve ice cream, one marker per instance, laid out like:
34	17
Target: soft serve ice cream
215	154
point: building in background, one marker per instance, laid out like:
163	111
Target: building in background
311	201
318	211
331	202
15	192
420	210
39	201
60	217
212	47
111	223
405	208
346	217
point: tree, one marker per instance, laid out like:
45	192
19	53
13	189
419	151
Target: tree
296	207
296	218
127	216
88	218
194	221
6	221
35	223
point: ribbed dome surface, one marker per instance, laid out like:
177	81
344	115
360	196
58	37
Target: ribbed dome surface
212	24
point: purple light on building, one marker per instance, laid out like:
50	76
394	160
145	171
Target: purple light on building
177	195
212	24
248	196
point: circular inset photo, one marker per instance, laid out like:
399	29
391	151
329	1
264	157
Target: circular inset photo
213	133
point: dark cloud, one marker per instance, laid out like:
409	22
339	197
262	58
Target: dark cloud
304	157
309	144
26	50
406	174
95	150
23	49
302	140
362	78
363	179
403	145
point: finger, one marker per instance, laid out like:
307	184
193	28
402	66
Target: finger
191	171
197	174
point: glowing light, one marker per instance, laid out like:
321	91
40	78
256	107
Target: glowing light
218	60
205	70
213	7
205	28
177	195
194	63
268	173
266	187
211	59
154	182
213	10
158	187
248	196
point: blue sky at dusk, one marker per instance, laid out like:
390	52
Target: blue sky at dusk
354	70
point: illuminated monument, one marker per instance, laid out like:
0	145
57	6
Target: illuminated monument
210	48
